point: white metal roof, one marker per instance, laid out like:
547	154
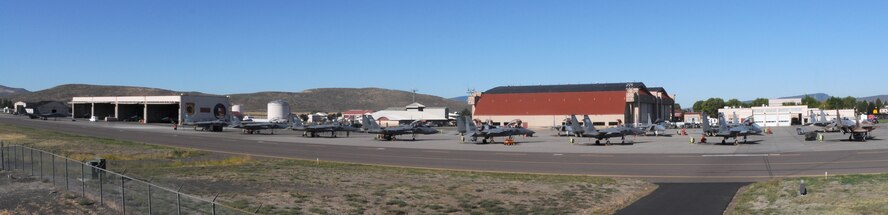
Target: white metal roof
128	99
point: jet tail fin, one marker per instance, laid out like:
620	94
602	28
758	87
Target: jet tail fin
575	124
461	125
470	125
705	121
722	124
811	118
589	127
370	123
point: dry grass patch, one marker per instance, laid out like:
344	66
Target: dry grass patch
850	194
281	186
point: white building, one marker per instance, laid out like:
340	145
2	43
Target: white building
769	116
152	108
416	111
779	102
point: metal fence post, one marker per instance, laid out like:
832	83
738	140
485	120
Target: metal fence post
214	204
178	204
2	158
101	189
41	164
66	175
52	161
31	155
22	153
123	193
82	180
15	159
149	199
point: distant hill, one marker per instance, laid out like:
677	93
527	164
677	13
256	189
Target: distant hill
884	98
818	96
324	99
6	92
461	98
65	92
341	99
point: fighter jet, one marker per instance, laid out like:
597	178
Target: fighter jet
209	125
391	133
588	130
257	127
487	132
45	116
740	130
858	130
651	127
821	122
313	130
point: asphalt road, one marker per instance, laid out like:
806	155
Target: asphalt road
685	168
682	198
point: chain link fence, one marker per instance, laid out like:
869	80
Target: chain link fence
107	188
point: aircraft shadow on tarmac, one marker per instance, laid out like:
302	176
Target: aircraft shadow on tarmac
730	142
628	143
867	139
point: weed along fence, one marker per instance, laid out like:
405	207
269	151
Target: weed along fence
96	185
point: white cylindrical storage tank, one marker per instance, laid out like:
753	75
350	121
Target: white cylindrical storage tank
236	108
278	110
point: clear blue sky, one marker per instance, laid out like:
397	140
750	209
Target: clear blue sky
696	49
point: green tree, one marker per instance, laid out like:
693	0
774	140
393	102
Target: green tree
698	106
710	106
758	102
832	103
811	102
849	102
870	106
734	103
862	106
879	103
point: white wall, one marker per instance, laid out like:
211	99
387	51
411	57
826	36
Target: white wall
539	121
205	103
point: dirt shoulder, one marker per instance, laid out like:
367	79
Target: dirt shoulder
282	186
23	194
850	194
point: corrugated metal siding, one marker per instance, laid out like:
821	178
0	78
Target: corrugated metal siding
602	102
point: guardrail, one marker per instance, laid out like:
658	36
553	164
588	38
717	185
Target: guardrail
113	190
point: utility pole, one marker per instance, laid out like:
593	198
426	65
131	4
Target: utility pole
414	95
